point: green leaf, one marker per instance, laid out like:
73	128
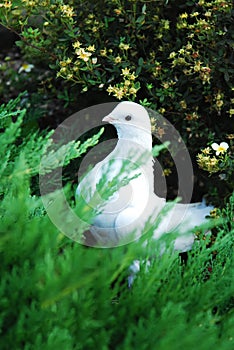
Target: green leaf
140	19
140	61
143	10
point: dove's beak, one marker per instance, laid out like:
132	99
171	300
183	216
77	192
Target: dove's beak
108	118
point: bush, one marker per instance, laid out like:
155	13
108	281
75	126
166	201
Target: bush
180	54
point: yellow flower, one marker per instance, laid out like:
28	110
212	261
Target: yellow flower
123	46
184	15
67	11
65	62
63	70
76	44
219	103
230	136
165	85
206	150
205	74
91	48
165	23
181	60
117	11
127	82
172	54
110	89
222	148
181	25
214	213
231	111
103	52
189	46
76	68
213	161
183	104
132	90
191	35
207	163
167	172
125	71
192	116
68	60
187	71
153	124
219	96
62	63
197	66
203	23
118	59
194	14
132	76
118	93
6	4
162	110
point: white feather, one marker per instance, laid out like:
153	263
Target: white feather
128	210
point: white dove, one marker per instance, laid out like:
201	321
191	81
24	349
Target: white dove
123	216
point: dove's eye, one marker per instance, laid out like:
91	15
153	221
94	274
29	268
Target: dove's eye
128	117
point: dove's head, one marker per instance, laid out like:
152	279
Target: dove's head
129	113
131	121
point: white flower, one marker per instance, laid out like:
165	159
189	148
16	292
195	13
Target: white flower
83	55
220	148
94	60
26	67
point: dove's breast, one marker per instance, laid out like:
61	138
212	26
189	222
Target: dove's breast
121	212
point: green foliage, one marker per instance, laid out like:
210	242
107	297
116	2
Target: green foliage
33	146
178	53
55	293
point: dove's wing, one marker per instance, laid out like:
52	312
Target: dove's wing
183	218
